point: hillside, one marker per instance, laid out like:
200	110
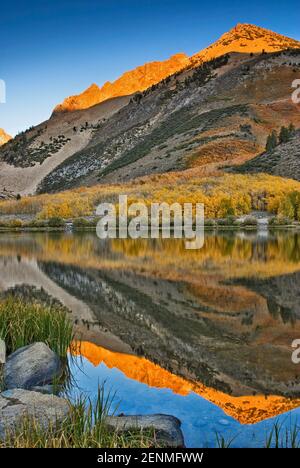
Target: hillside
211	114
283	161
216	114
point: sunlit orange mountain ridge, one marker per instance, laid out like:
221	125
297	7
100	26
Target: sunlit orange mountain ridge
130	82
244	38
245	409
4	137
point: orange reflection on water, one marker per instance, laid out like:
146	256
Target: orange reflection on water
245	409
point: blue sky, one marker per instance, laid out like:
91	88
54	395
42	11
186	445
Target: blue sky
52	49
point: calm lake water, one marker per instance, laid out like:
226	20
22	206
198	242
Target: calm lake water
204	335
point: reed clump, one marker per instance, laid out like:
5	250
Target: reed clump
23	322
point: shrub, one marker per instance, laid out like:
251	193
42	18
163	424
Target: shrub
209	223
81	222
37	223
56	222
249	221
229	221
279	221
15	223
4	224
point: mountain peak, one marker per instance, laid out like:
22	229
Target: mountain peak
243	38
4	137
256	31
247	38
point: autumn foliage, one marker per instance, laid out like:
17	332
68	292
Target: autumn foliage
223	195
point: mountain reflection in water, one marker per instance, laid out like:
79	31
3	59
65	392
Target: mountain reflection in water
213	325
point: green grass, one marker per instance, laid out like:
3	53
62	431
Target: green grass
85	427
283	437
222	442
23	323
280	436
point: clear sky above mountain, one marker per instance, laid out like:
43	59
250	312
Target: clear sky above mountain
53	49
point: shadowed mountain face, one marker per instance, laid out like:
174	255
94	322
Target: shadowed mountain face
224	316
216	111
283	161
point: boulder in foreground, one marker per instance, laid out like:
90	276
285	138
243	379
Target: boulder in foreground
166	427
31	366
17	403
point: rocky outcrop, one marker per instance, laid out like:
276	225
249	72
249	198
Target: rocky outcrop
31	366
167	428
18	403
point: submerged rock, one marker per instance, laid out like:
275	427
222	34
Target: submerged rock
17	403
167	428
31	366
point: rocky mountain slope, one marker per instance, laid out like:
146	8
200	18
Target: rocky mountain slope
210	114
4	137
218	113
284	161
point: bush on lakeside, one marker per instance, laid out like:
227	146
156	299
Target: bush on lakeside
81	222
56	221
37	223
280	221
15	223
12	224
209	223
228	221
4	224
23	323
250	221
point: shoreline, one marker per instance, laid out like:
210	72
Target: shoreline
216	228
